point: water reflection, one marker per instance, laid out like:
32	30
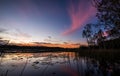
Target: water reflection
55	64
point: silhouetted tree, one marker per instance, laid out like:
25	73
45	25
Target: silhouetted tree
4	42
87	33
109	14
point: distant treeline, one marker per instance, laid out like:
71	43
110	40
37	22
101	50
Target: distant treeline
109	44
14	48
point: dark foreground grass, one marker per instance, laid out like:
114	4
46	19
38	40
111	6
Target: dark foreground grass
111	55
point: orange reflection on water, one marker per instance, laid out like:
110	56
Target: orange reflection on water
27	55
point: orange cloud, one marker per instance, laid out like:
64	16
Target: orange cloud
68	45
79	15
61	45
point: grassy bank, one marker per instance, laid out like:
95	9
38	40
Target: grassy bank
111	55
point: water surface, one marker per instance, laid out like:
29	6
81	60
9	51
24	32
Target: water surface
54	64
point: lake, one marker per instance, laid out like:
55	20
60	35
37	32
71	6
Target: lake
55	64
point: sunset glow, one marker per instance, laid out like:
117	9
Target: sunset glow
69	45
49	21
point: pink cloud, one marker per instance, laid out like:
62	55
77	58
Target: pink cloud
79	15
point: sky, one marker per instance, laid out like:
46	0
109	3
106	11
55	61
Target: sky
45	21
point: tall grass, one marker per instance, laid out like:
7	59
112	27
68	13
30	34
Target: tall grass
102	54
